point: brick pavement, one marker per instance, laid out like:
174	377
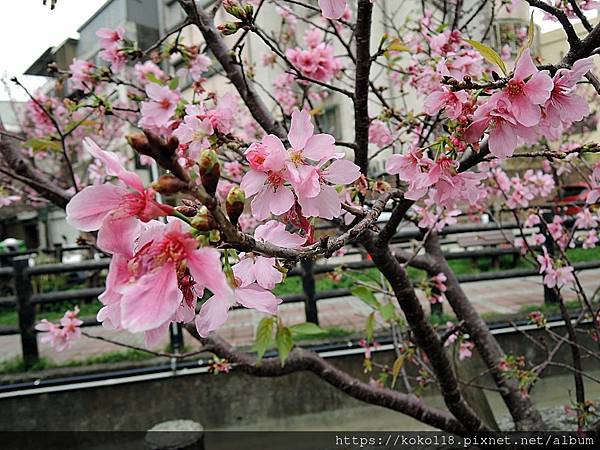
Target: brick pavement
495	296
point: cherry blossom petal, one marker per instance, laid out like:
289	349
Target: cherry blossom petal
332	9
117	235
205	267
265	273
257	298
253	182
503	141
319	147
151	300
89	207
342	171
274	232
301	129
213	313
113	165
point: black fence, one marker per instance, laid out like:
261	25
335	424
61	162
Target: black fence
25	299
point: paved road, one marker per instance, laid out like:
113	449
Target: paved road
496	296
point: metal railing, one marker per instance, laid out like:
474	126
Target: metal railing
26	301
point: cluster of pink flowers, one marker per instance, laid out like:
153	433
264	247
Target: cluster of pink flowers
111	43
380	134
60	336
148	72
518	191
532	105
82	74
438	55
158	110
585	5
316	60
158	270
555	275
440	178
437	288
306	173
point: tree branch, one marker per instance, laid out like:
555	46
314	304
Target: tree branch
215	42
361	86
303	360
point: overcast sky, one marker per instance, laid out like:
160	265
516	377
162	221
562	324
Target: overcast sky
27	29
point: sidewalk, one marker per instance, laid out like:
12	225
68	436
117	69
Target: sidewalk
495	296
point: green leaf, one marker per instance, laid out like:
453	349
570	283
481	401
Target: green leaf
396	368
489	54
530	32
396	45
153	79
387	311
306	329
370	326
174	83
264	336
284	342
43	144
366	295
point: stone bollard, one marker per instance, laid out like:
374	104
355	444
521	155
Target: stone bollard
175	435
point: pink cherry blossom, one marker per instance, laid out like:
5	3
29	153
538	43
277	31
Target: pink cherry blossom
255	268
193	133
466	350
160	107
504	130
158	278
109	37
104	206
594	193
274	232
61	336
332	9
115	56
379	134
81	74
591	239
147	71
451	102
215	310
317	63
527	90
564	106
234	170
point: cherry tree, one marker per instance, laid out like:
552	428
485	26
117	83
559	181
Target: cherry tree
249	173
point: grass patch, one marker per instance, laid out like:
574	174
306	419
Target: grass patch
328	333
16	365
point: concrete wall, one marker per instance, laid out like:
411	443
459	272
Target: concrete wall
230	401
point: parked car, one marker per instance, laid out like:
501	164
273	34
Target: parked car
572	193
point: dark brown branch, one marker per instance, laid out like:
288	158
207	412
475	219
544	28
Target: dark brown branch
424	334
574	41
303	360
524	414
215	42
361	86
27	174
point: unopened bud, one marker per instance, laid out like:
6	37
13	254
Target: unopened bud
229	28
168	184
234	204
210	170
203	220
139	142
234	8
187	211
